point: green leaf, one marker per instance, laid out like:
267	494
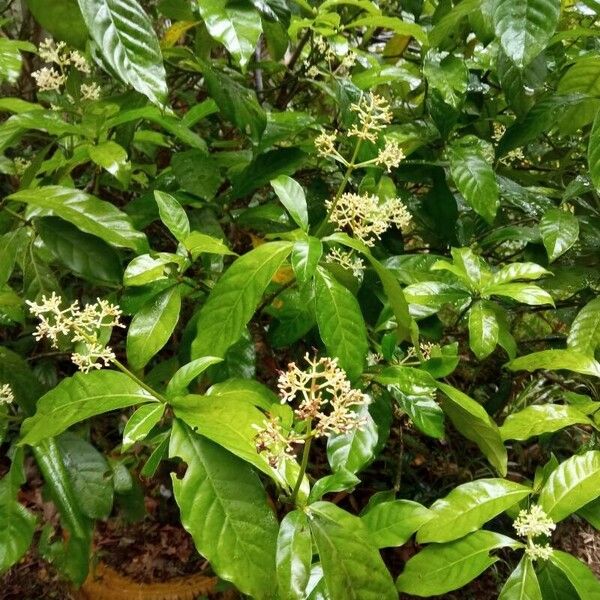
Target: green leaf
525	28
10	58
152	327
124	35
78	398
291	195
16	372
173	215
83	254
17	524
352	566
573	484
560	230
112	158
341	324
469	506
554	360
140	423
394	23
305	257
178	384
145	269
580	576
515	271
87	213
584	336
539	419
224	507
392	523
354	450
441	568
197	173
199	243
475	424
527	293
474	176
61	18
594	153
88	472
234	299
554	583
236	26
522	583
483	330
294	556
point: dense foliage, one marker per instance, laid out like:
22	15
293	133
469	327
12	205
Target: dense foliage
289	251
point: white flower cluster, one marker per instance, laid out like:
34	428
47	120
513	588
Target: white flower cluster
20	165
390	156
6	394
366	216
325	398
79	325
374	114
347	260
533	523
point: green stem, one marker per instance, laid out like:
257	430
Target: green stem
137	380
303	465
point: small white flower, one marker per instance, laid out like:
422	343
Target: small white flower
48	79
536	551
374	114
20	165
346	260
6	394
313	72
54	53
391	155
533	522
90	91
325	143
79	62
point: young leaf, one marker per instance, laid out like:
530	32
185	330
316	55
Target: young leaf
78	398
234	299
291	194
483	330
441	568
224	507
560	230
525	28
305	257
199	243
113	159
294	556
580	576
352	566
178	384
173	215
573	484
539	419
469	506
554	360
124	35
87	213
152	327
340	323
522	583
584	336
392	523
140	423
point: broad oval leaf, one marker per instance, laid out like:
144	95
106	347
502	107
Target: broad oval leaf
340	323
594	152
224	507
124	35
539	419
291	194
178	384
483	330
580	576
140	423
305	257
199	243
554	360
392	523
173	215
294	556
584	336
522	583
441	568
573	484
87	213
234	299
78	398
469	506
560	230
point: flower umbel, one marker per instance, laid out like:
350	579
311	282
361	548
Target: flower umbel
274	443
6	394
534	522
346	260
390	156
52	52
90	91
79	325
535	551
366	216
374	114
48	79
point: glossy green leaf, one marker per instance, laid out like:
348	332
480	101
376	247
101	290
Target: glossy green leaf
152	327
527	293
483	330
474	176
352	566
78	398
522	583
525	28
584	336
539	419
61	18
87	213
124	35
140	423
291	195
173	215
178	384
580	576
593	154
112	158
16	372
341	324
234	299
560	230
392	523
294	556
305	258
554	360
554	583
394	23
469	506
573	484
516	271
472	421
224	507
146	269
197	173
441	568
199	243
